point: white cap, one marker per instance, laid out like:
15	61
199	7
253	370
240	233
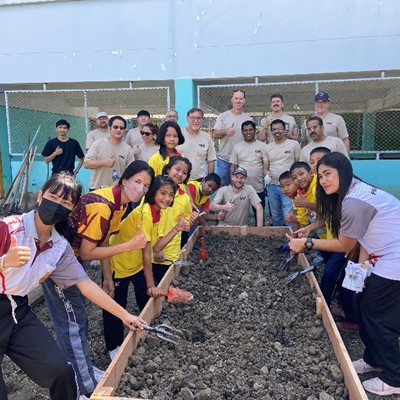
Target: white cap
101	114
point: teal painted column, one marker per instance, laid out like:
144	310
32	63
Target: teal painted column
5	151
368	133
184	98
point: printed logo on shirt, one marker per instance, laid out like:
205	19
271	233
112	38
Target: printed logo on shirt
287	152
257	151
202	145
242	198
374	190
328	123
120	156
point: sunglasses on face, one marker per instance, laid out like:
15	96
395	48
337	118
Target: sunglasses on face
121	128
145	133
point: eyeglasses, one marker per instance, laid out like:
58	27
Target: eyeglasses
145	133
120	128
277	130
195	118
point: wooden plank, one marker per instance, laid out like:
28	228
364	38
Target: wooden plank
109	384
250	230
351	379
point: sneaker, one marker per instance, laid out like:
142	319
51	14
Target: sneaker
337	311
83	397
377	386
113	353
347	326
362	367
98	373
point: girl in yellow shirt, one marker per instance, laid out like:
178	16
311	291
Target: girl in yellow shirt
169	137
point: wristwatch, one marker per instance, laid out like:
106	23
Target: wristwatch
309	244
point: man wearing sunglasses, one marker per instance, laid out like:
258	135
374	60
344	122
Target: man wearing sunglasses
109	157
198	147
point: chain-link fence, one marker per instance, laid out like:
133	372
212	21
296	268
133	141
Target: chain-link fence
370	107
28	111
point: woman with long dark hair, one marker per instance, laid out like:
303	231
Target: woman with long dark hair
357	211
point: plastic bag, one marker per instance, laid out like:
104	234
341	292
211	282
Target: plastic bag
356	274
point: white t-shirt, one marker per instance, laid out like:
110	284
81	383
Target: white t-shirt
241	201
251	157
372	216
281	156
330	142
224	121
199	149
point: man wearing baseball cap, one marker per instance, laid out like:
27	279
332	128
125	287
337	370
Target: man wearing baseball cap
334	124
233	201
100	132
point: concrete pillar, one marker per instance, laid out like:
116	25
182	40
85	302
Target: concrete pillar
184	98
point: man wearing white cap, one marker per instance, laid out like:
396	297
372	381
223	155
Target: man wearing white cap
334	124
102	129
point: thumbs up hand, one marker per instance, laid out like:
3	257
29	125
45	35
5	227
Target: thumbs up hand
139	241
17	256
231	130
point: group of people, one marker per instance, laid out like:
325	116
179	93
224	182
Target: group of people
149	189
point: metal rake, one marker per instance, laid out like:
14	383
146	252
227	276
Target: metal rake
296	274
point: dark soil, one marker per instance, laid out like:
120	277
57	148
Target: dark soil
245	335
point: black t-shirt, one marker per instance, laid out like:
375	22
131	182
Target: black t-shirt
66	160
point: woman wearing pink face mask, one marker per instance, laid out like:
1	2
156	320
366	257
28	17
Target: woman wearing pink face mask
95	217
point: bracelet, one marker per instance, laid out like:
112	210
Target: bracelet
2	259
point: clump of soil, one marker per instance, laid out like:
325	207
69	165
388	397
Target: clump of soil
246	335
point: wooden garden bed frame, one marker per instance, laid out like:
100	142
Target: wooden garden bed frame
107	387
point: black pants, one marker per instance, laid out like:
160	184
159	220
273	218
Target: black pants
159	270
379	317
113	326
29	344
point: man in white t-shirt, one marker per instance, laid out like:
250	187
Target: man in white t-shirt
133	137
282	153
316	132
251	154
334	124
277	105
233	201
101	132
110	156
198	147
227	128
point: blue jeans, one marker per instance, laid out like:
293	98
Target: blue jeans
68	315
279	205
224	171
331	281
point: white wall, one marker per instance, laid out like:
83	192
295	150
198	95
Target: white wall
101	40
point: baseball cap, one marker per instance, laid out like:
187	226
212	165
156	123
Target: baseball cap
240	171
322	96
101	114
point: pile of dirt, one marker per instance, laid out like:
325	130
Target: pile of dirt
246	335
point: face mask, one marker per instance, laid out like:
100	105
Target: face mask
51	213
134	191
